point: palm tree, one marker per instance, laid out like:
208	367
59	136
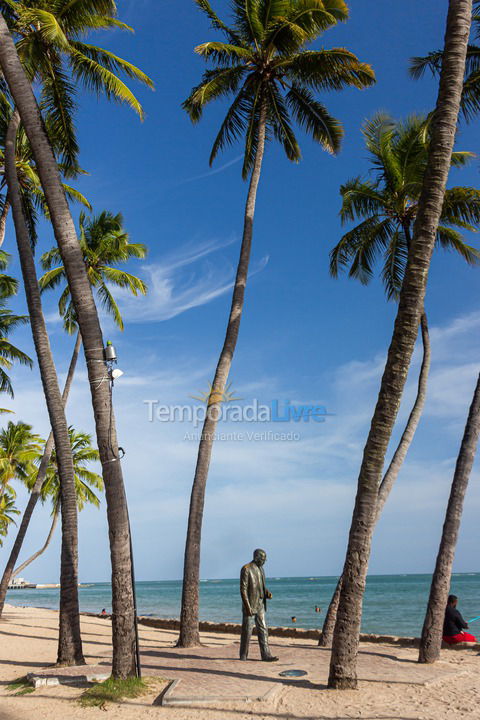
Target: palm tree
410	308
273	80
70	643
431	639
105	244
19	448
59	39
470	104
86	482
387	207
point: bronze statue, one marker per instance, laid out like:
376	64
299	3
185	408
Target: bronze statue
254	604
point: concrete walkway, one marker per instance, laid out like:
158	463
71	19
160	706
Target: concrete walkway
213	675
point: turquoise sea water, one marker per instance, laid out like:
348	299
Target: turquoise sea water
393	604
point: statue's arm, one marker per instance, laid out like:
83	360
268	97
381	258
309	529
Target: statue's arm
244	591
268	594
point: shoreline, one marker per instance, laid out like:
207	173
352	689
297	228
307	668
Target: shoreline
231	628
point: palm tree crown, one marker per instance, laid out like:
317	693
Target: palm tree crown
104	243
86	481
470	103
8	322
7	511
33	199
263	63
19	449
51	45
387	204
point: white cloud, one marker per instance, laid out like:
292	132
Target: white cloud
295	497
182	281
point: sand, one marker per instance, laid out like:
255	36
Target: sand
28	643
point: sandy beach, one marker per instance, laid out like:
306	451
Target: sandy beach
28	643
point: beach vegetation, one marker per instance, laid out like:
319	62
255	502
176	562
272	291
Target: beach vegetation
21	686
114	690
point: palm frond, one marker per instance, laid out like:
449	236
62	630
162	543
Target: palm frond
315	118
217	23
359	248
323	70
76	196
235	121
111	62
52	278
280	122
58	107
215	83
450	239
360	199
102	81
303	22
461	204
123	279
432	62
395	261
110	305
224	54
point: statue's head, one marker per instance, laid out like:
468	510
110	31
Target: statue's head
259	557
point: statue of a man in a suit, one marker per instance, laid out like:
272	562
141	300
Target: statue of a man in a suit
254	603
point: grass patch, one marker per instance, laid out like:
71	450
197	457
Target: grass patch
113	690
20	686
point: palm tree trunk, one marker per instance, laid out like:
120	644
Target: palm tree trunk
325	639
3	220
35	494
410	428
33	557
393	470
343	674
431	640
123	618
189	633
70	643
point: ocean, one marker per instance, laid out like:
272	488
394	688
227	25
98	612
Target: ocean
393	604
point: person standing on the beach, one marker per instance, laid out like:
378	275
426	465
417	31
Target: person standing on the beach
254	604
454	626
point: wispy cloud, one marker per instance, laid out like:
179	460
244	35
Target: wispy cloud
210	173
184	280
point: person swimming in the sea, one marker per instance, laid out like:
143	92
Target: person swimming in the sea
454	625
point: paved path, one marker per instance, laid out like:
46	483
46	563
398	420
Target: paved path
215	675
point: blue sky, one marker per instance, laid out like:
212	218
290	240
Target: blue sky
305	337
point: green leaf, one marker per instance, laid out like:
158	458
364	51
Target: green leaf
314	118
323	70
215	83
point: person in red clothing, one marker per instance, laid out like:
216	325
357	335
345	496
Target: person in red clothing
454	625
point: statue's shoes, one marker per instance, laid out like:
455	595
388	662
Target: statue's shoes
271	658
